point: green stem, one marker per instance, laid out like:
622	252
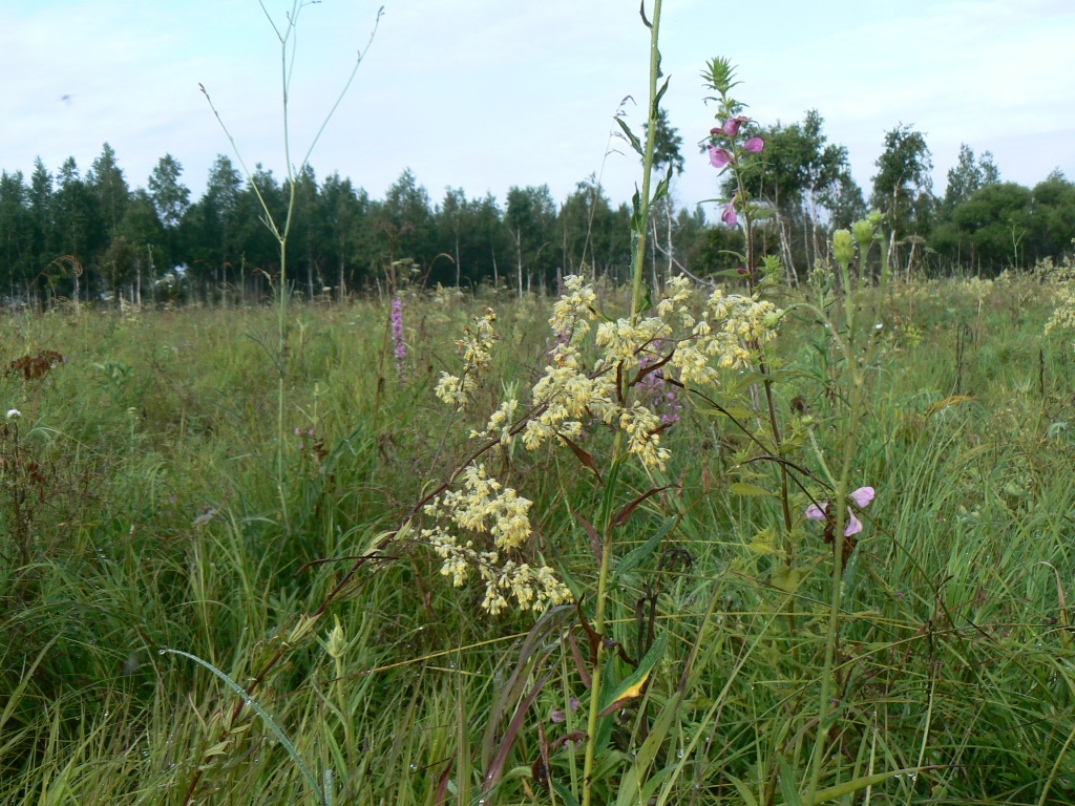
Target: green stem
647	166
833	629
595	683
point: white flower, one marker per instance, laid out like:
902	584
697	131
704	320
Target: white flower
13	414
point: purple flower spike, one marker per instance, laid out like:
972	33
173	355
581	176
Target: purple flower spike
754	145
731	125
719	157
397	335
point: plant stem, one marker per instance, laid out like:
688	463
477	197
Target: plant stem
595	684
647	166
840	502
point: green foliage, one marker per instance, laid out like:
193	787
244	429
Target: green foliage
152	527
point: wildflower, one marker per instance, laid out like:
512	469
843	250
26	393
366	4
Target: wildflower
754	145
13	414
397	334
862	496
484	506
719	157
731	125
729	215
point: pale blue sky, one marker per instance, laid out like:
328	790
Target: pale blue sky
485	94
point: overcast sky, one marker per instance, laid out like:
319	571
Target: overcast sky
486	94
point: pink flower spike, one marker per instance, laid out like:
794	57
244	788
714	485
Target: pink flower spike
862	496
731	125
816	512
729	216
719	157
754	145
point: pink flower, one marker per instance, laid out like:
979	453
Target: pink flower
719	157
754	145
731	125
861	497
729	215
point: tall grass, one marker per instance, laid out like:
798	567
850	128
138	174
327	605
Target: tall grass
143	467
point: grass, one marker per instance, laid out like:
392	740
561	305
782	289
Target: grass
139	510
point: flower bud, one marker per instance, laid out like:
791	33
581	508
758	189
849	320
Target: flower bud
337	641
863	233
772	319
843	248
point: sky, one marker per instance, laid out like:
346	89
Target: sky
487	94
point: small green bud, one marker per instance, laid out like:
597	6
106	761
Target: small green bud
337	641
843	248
302	629
874	218
772	319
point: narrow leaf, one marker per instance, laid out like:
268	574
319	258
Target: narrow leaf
744	791
631	138
492	777
565	794
660	94
256	706
838	791
642	11
628	510
636	775
750	490
948	401
638	555
584	457
595	539
633	685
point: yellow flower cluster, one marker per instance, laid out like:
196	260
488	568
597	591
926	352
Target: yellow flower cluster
476	348
689	337
484	506
1063	318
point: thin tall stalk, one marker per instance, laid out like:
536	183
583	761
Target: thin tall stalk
639	226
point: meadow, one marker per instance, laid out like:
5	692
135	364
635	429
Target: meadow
151	499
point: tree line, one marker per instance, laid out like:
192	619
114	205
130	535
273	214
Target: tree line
88	237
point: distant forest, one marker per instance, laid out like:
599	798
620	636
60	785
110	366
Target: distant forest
91	236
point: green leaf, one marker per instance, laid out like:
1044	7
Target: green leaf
632	685
854	785
750	490
657	98
638	555
256	706
764	543
787	783
744	791
787	579
636	774
635	144
565	794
